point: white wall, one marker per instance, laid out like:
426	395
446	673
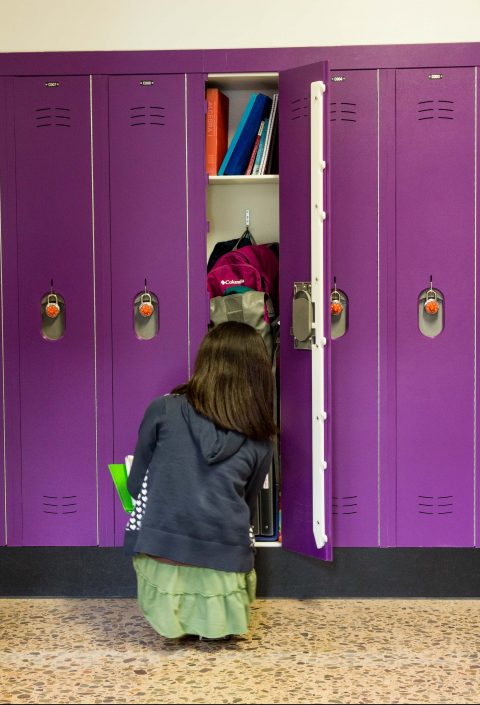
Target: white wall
87	25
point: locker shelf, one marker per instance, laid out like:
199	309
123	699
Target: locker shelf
268	544
239	179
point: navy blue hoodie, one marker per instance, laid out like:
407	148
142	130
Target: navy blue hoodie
202	485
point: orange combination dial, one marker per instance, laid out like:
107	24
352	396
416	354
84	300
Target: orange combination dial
432	307
336	308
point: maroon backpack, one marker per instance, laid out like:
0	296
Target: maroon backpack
253	267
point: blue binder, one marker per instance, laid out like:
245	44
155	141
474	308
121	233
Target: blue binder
239	151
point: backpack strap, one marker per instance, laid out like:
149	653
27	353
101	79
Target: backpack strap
234	309
247	236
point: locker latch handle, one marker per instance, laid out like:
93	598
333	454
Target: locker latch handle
303	315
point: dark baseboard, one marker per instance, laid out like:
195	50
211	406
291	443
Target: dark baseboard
355	572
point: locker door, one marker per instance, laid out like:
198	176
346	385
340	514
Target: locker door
5	137
148	242
353	117
436	143
57	377
305	373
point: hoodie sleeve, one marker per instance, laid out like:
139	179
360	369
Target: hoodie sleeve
257	478
147	440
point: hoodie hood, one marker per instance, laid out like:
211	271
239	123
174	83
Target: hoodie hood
216	444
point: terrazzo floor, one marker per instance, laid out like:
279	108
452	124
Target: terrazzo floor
310	651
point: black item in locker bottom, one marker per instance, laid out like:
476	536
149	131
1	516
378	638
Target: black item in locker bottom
256	518
268	507
266	513
266	501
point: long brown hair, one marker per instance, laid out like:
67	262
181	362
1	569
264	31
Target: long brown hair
232	383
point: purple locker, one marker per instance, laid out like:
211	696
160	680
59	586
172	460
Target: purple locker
295	365
12	520
57	378
435	195
148	241
353	115
477	264
4	138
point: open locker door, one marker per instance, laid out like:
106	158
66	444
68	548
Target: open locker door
305	419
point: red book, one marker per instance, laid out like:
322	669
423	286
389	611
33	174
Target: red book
216	130
249	168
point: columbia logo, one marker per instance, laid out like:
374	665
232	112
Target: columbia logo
230	282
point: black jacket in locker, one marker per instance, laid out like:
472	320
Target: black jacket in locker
201	488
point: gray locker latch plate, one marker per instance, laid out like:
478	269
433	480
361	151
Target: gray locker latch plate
302	316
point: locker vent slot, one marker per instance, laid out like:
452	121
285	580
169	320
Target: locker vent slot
58	117
430	109
345	505
62	117
440	504
43	117
300	108
53	504
343	112
147	115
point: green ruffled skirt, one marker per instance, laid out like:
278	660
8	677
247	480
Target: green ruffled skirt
179	600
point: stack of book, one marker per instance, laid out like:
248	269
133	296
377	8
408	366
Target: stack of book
254	147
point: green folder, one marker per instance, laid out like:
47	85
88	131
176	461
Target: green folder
119	476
